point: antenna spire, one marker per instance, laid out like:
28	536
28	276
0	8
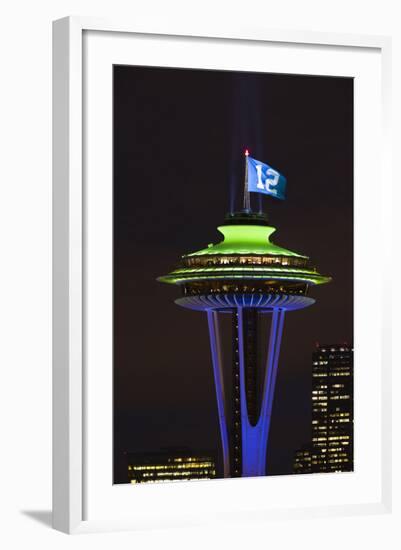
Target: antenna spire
247	198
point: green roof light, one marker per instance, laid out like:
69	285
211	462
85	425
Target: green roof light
246	239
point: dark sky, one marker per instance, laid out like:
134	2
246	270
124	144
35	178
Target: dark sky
179	137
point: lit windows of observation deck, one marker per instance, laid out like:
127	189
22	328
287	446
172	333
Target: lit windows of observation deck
256	260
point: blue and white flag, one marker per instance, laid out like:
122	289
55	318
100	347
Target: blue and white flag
262	178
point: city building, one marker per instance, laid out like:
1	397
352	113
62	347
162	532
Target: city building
170	465
332	428
249	278
303	460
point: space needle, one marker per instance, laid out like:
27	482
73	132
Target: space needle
256	282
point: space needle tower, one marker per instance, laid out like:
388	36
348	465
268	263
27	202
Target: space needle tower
255	282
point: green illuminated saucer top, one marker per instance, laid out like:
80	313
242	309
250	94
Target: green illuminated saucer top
245	254
245	239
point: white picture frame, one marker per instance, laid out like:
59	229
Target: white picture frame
70	285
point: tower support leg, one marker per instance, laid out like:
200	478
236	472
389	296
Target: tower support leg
215	348
255	438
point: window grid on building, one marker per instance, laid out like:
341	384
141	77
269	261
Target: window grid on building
331	445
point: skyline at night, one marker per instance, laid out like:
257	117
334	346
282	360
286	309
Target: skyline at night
175	136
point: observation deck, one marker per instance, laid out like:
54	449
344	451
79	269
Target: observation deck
245	269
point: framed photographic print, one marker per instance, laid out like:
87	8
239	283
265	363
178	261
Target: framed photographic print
219	335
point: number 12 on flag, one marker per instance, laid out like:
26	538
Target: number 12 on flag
262	178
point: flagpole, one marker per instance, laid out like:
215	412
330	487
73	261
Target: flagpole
247	199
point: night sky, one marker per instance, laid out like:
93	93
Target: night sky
179	138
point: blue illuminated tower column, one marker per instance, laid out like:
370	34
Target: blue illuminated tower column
247	277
